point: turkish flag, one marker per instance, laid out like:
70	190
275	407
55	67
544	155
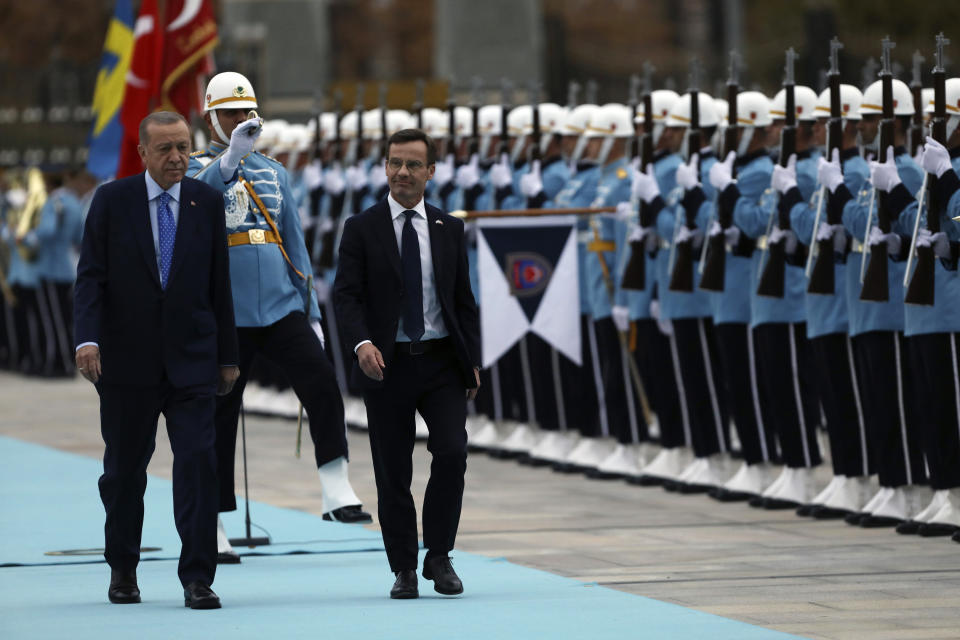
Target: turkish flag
173	41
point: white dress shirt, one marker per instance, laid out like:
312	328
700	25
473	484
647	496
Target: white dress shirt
433	326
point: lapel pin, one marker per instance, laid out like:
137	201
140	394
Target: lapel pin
438	221
192	203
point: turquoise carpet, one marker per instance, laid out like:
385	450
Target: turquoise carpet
336	589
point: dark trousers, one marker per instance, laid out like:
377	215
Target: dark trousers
58	298
432	384
9	345
750	410
621	408
293	347
934	373
580	402
890	408
699	366
787	376
128	423
29	331
654	360
839	387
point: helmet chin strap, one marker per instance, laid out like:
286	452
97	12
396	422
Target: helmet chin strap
578	149
224	138
952	123
745	138
605	148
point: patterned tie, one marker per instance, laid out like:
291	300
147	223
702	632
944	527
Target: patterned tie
167	231
412	285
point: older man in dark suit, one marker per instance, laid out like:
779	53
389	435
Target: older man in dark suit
403	301
155	334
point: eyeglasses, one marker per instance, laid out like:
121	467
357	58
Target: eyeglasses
412	165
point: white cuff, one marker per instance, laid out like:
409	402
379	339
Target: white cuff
360	344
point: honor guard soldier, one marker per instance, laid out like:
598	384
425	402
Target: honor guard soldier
270	269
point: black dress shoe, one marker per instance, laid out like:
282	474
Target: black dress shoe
757	502
909	527
870	521
829	513
726	495
197	595
855	518
956	536
444	578
807	510
936	529
228	557
351	514
596	474
776	504
123	587
646	480
405	587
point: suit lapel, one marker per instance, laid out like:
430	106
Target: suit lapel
186	228
435	228
383	227
142	229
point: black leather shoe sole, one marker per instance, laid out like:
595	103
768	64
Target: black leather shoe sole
829	513
202	603
404	594
956	537
123	598
871	521
348	515
776	504
726	495
646	481
854	518
596	474
228	557
936	530
909	527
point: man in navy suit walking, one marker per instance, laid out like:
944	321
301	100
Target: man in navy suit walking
403	301
155	334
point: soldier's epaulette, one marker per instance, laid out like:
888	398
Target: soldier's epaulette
268	157
202	152
621	173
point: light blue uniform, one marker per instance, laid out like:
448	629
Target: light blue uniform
944	315
752	214
265	287
613	188
59	232
580	191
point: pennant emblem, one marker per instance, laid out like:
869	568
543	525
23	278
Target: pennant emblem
528	273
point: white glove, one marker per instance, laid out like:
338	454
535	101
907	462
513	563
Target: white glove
663	324
884	175
785	178
242	140
334	181
646	235
16	197
501	175
317	329
715	229
624	211
788	237
938	240
469	174
688	174
378	176
444	172
313	175
830	174
356	178
731	235
721	173
833	232
935	158
685	234
531	183
621	318
891	239
644	185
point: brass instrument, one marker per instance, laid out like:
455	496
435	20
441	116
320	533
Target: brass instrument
28	217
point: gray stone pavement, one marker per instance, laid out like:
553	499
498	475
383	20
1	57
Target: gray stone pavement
773	569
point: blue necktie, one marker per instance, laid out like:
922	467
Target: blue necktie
412	284
166	232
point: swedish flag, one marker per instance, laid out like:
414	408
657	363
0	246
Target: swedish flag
107	132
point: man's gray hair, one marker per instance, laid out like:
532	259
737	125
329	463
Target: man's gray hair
159	117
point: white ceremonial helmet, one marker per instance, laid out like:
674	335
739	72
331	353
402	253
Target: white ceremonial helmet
462	121
348	126
753	111
227	90
328	127
575	124
551	119
952	99
679	115
371	124
611	120
723	110
850	99
489	126
873	99
662	102
435	123
804	102
926	97
520	120
270	135
398	119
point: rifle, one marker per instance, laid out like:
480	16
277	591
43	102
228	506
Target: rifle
504	110
715	261
451	122
325	234
535	133
573	92
418	104
635	273
681	278
774	273
876	278
474	146
916	88
921	288
384	135
822	280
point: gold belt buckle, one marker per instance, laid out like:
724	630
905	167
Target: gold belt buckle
257	236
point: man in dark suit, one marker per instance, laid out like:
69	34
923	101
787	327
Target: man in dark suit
155	334
403	301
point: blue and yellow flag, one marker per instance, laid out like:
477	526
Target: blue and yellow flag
107	132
